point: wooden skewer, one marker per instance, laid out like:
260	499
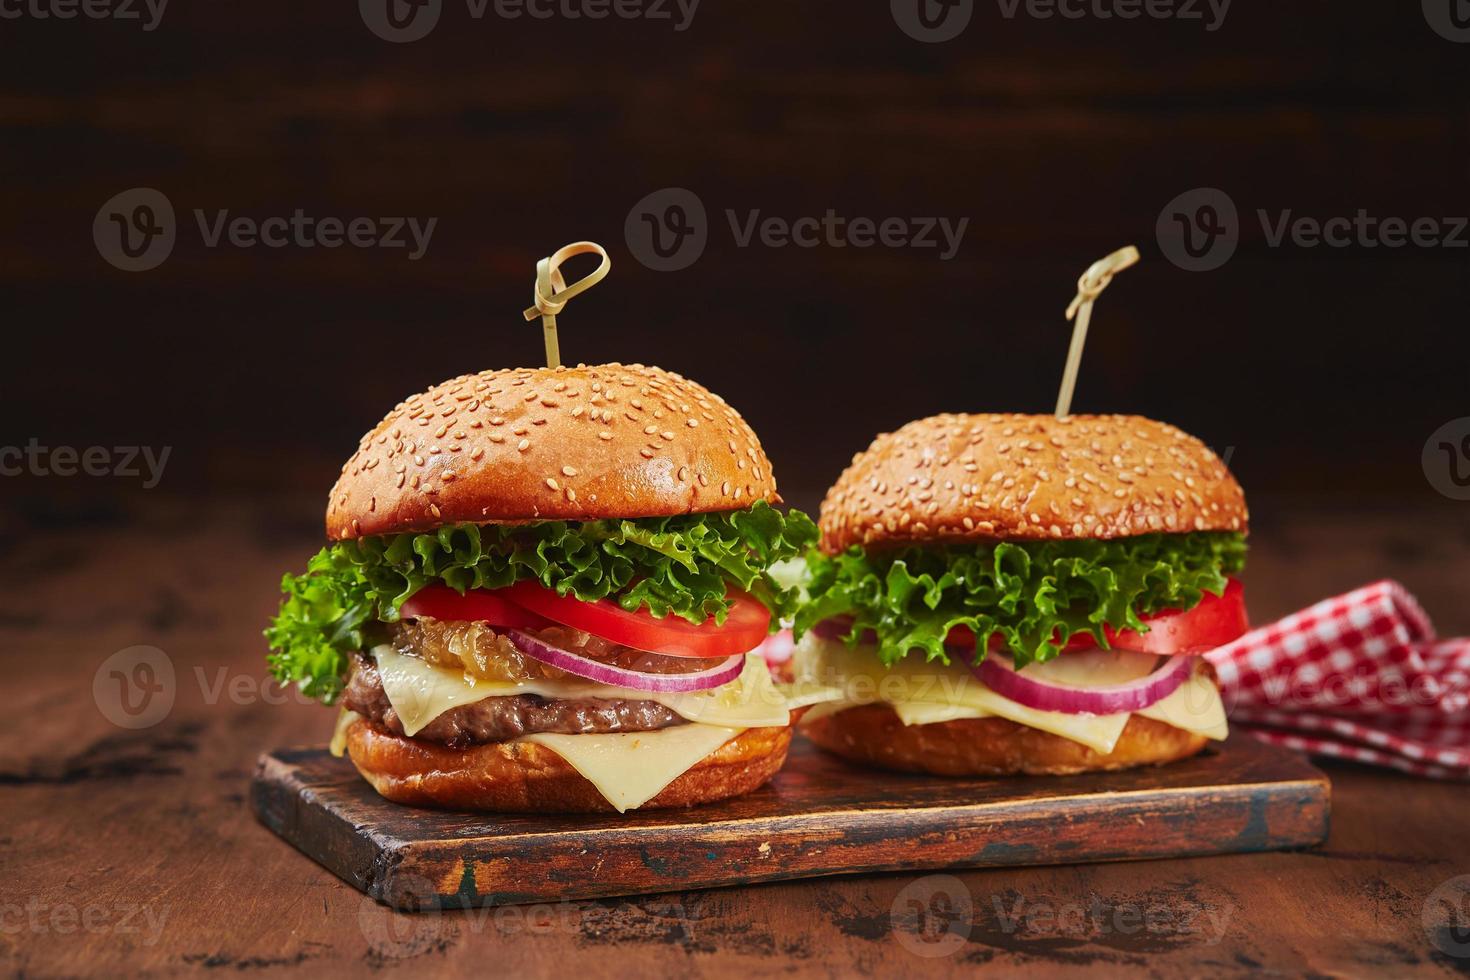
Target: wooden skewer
552	292
1092	283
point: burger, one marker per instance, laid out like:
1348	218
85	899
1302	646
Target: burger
541	592
999	594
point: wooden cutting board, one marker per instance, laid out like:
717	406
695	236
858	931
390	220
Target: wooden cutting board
820	816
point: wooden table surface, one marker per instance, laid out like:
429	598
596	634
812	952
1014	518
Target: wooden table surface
133	852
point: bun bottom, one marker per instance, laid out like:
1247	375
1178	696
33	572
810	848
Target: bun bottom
524	777
873	735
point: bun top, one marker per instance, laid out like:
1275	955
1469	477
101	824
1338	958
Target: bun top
537	444
1030	478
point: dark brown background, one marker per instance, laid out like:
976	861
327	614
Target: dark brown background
1326	369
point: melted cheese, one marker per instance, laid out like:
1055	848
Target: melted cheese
1195	706
421	692
923	693
631	769
338	745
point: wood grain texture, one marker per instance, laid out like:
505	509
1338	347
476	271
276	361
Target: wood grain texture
818	817
153	828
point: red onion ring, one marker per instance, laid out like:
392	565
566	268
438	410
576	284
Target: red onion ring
996	673
594	670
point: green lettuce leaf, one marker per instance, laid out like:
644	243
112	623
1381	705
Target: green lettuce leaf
1035	596
671	566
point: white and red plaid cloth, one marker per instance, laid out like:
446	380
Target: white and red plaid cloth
1360	677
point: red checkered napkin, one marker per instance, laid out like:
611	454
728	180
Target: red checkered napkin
1361	677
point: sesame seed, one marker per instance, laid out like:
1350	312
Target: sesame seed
551	482
568	471
604	435
523	445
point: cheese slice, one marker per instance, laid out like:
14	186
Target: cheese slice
924	693
926	713
1195	706
338	745
913	680
801	693
420	692
631	769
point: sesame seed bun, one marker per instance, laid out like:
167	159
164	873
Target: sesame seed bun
874	735
524	777
536	444
1030	478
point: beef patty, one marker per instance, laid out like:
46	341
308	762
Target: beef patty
503	718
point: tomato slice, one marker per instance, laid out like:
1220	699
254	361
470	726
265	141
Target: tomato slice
1214	622
482	605
745	627
529	605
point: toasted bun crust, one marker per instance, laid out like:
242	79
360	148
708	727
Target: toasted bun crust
534	444
1029	477
523	777
873	735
